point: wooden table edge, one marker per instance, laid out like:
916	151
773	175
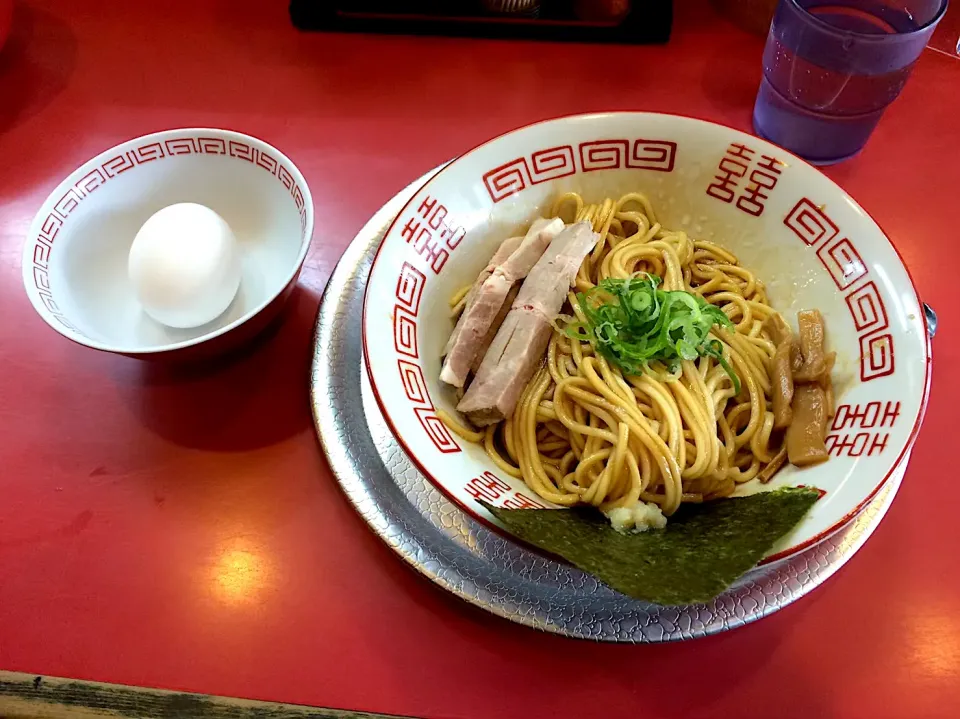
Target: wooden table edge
29	696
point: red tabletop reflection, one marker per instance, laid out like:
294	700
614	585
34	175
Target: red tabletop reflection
179	528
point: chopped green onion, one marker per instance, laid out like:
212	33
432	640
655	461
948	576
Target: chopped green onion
633	323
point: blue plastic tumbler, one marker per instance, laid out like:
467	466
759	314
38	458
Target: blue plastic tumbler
831	68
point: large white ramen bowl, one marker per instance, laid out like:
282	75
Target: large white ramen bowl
812	245
75	256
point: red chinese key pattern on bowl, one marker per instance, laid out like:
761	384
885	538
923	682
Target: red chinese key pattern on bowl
409	291
555	162
843	263
124	161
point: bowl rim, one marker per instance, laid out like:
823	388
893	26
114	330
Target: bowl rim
784	554
69	181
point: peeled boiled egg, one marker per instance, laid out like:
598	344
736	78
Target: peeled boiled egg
184	265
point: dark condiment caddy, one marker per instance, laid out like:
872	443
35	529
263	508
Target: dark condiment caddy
647	21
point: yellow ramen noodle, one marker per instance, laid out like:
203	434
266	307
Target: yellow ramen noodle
583	432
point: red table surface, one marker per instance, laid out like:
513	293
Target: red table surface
181	528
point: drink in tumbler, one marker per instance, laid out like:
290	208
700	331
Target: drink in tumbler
831	68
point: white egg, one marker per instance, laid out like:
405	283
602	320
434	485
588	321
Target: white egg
184	265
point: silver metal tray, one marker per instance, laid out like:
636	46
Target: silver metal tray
408	513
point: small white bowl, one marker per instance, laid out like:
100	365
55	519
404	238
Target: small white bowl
75	256
803	235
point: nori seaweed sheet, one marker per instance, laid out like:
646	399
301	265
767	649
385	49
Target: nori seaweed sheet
702	551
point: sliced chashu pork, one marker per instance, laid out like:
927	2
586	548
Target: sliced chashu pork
503	252
482	312
495	327
520	342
